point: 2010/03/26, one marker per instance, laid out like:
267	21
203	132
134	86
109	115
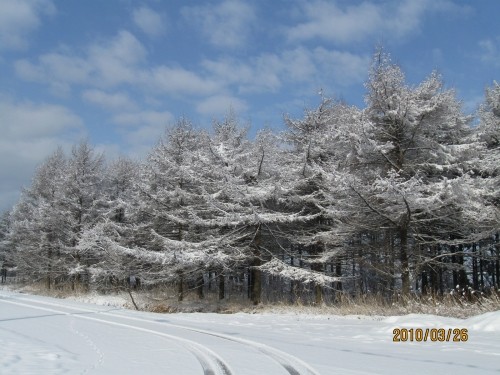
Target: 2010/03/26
430	334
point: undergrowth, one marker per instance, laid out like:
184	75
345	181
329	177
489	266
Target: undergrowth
458	303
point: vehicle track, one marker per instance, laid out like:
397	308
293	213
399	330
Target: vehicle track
290	363
210	362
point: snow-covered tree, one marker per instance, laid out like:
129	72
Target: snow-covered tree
173	196
484	213
83	202
321	148
40	226
118	227
411	138
5	245
403	192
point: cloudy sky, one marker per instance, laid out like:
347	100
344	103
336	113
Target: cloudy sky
119	71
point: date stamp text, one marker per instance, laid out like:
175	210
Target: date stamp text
430	334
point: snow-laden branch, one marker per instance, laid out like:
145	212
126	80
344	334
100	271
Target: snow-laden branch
276	267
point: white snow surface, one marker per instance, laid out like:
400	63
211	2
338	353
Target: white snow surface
41	335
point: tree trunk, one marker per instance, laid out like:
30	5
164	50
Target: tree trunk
256	275
199	286
475	279
454	263
497	263
424	282
256	281
180	287
434	272
403	256
221	279
49	269
338	273
318	290
462	274
481	269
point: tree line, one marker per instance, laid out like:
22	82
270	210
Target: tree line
399	197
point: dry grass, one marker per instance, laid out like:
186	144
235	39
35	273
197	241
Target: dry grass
164	300
452	305
448	305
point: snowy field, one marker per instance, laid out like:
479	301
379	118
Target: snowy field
40	335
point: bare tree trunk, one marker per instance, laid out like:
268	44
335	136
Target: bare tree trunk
318	291
256	275
338	273
403	256
425	285
132	298
497	266
180	287
199	286
48	280
462	275
454	271
475	279
221	279
256	278
481	269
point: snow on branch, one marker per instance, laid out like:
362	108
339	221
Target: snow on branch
276	267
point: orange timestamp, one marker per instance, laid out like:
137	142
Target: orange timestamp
430	334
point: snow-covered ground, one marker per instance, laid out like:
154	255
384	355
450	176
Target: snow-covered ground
40	335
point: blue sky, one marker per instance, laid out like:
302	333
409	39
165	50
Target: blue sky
119	71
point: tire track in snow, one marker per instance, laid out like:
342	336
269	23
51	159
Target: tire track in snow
210	362
292	364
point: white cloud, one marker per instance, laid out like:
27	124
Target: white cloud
29	134
143	130
344	68
178	81
109	101
327	20
145	135
18	160
150	22
116	61
29	121
124	47
19	18
219	105
244	74
346	23
490	51
58	70
157	119
226	24
299	66
108	63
